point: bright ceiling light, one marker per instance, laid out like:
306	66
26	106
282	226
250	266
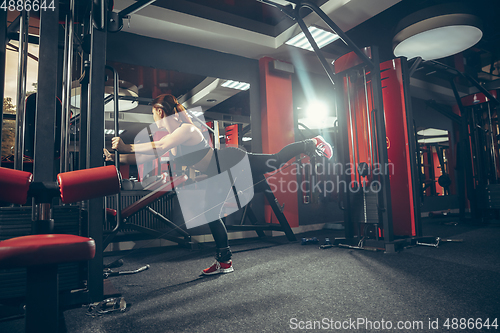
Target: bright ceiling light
321	37
126	89
432	132
236	85
246	138
317	116
433	140
436	32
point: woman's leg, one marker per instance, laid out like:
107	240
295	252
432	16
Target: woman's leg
264	163
219	233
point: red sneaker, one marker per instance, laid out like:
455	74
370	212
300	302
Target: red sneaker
323	148
219	268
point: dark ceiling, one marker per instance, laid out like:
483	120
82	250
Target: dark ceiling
380	29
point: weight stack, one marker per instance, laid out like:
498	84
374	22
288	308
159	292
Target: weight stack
364	204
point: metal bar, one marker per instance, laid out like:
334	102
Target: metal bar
135	7
349	108
95	142
163	219
466	185
46	97
66	87
356	154
216	135
347	41
344	158
319	54
384	197
414	66
3	51
492	148
412	147
368	115
21	90
255	227
116	92
470	79
84	93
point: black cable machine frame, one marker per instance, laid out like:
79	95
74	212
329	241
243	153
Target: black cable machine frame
384	196
480	192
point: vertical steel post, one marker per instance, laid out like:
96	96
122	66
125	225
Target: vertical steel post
412	142
46	98
21	90
384	196
66	87
3	50
84	93
95	143
466	183
368	115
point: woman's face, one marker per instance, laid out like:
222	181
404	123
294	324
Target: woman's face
157	115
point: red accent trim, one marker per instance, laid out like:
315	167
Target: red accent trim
350	60
403	212
277	132
14	185
88	184
35	250
232	136
477	98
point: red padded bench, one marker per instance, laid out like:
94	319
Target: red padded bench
42	253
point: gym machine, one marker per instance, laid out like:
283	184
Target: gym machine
43	251
382	192
52	83
476	131
481	116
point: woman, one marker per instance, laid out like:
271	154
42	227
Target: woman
190	148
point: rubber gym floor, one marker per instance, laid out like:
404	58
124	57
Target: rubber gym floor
281	286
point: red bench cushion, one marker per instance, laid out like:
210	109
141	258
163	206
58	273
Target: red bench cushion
14	185
35	250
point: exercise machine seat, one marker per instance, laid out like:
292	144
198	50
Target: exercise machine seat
88	184
33	250
15	185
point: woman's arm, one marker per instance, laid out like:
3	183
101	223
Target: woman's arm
128	158
179	136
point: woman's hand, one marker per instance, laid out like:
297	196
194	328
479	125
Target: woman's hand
118	144
108	157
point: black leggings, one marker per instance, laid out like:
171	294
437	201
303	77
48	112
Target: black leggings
260	164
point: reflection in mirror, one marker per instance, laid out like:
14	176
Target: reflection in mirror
436	162
219	102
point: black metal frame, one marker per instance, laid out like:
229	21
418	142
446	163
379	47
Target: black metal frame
3	50
44	166
384	198
283	225
95	142
465	171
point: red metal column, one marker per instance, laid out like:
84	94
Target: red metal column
404	223
277	132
